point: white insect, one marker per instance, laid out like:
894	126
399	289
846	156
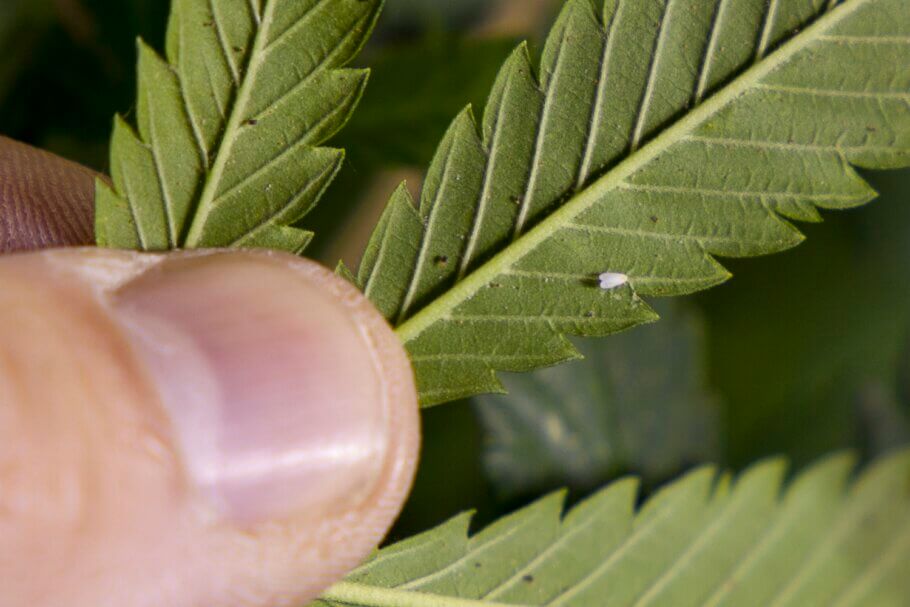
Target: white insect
612	280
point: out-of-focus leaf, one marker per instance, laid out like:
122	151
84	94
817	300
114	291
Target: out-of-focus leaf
637	403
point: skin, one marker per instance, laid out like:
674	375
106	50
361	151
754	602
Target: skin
220	429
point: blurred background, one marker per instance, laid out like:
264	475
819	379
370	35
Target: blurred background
801	354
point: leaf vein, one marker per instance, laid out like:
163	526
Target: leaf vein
710	51
596	115
764	39
222	40
542	126
647	97
805	90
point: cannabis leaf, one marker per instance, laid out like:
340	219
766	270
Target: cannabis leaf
705	540
637	403
226	152
659	134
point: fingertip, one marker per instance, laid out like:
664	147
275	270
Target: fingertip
284	384
293	422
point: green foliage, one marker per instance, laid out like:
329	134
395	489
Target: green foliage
658	135
705	540
637	403
226	152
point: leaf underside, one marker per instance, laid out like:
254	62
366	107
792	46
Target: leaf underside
705	540
658	135
638	403
227	147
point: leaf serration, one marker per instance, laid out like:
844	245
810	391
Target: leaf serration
603	141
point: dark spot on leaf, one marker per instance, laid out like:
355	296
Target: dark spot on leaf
527	579
252	122
495	285
237	49
441	261
589	314
477	565
653	218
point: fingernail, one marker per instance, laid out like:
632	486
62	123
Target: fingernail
274	395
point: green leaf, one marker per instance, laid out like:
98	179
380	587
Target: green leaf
637	403
705	540
659	134
229	127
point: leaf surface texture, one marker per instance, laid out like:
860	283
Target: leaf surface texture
227	146
824	539
658	135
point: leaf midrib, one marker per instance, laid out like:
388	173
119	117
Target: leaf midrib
442	307
209	193
362	595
